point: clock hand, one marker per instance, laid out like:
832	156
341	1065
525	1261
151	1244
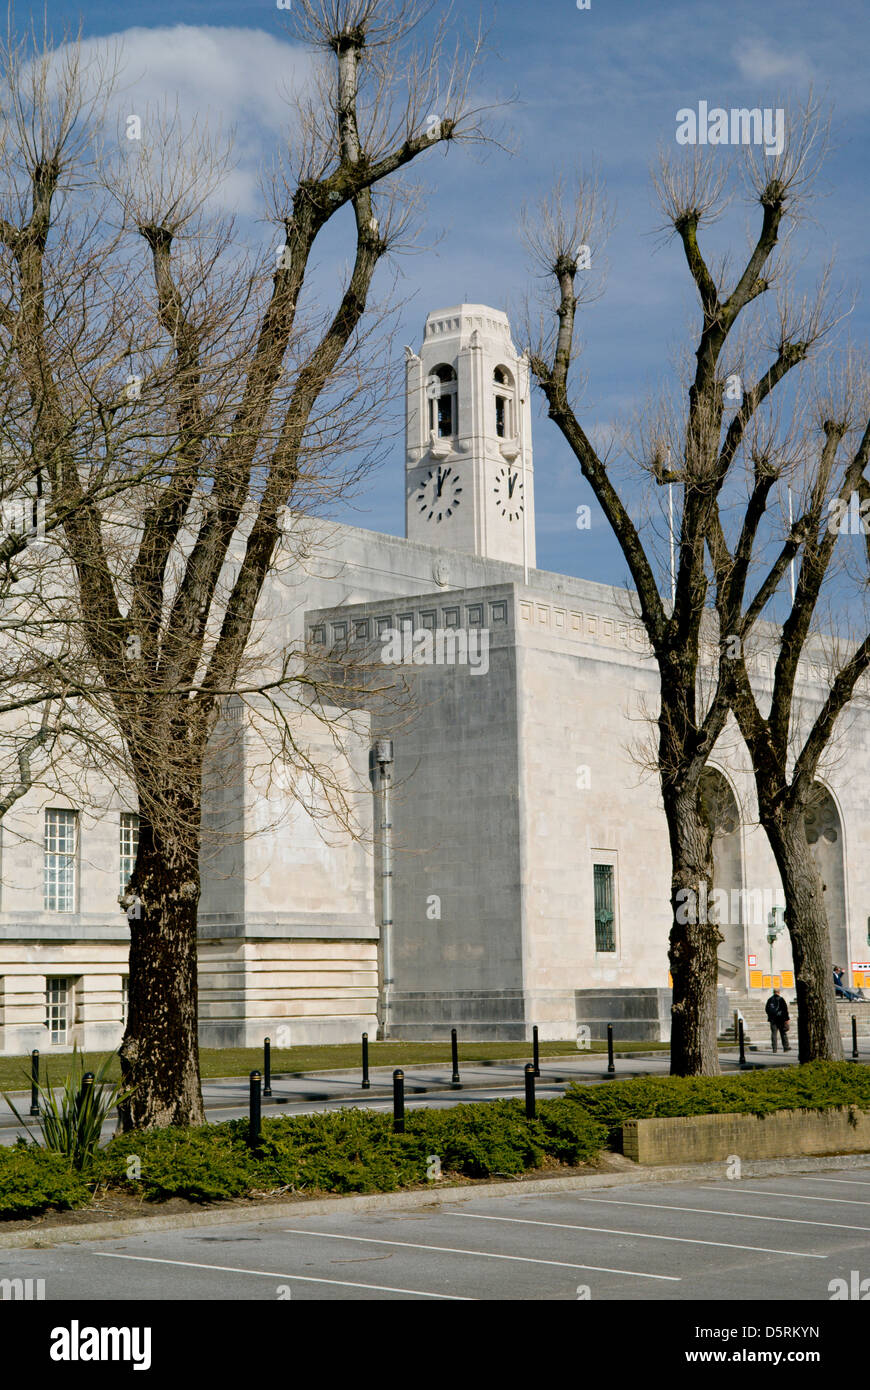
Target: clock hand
512	482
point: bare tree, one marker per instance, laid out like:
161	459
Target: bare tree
695	451
788	741
228	373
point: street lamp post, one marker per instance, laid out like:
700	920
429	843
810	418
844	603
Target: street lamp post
775	924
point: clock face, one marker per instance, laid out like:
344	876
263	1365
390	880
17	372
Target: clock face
508	491
440	494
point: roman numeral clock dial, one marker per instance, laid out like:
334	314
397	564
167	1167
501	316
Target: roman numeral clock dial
508	491
439	495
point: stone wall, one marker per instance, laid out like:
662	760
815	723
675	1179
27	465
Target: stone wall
711	1138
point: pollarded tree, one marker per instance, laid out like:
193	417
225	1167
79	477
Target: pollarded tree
788	738
229	372
697	452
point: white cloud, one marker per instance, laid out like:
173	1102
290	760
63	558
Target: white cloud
760	61
227	77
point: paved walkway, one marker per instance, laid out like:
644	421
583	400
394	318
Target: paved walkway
227	1099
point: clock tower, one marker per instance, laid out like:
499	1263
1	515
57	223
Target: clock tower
468	438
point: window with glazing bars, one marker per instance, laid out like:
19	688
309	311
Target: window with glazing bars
605	938
57	992
59	880
129	846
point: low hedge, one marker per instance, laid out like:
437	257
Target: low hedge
814	1086
340	1151
357	1151
33	1179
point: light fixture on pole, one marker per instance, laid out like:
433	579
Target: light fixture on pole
775	924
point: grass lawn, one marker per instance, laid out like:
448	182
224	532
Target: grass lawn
238	1061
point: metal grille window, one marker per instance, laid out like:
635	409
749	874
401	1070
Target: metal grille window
129	846
605	936
59	883
125	998
57	1001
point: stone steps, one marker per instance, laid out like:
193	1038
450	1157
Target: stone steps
755	1024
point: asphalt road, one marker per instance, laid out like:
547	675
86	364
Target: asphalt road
760	1239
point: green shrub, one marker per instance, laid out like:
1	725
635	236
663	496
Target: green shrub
342	1151
32	1179
815	1086
357	1151
203	1164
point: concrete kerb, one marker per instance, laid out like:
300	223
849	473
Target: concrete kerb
42	1237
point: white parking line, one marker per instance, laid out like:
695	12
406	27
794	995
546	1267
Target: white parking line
709	1211
795	1196
272	1274
850	1182
485	1255
641	1235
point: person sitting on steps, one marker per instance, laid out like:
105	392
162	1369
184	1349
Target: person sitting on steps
840	989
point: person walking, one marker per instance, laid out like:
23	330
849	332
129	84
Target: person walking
777	1016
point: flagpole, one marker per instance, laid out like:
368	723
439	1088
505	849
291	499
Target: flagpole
791	564
671	533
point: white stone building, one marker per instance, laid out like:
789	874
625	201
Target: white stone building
527	868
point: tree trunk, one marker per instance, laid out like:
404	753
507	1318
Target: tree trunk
160	1052
807	922
694	940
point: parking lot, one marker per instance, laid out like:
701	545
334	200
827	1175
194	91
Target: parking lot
784	1237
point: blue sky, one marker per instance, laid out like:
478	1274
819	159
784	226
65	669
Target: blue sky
601	85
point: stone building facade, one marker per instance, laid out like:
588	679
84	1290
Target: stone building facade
519	872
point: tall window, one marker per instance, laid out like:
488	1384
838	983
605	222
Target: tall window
128	845
59	877
125	998
605	936
441	389
503	381
58	991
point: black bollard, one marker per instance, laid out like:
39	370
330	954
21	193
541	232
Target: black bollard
454	1053
536	1054
366	1084
854	1039
267	1067
398	1101
742	1041
529	1072
87	1089
34	1081
610	1066
254	1111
